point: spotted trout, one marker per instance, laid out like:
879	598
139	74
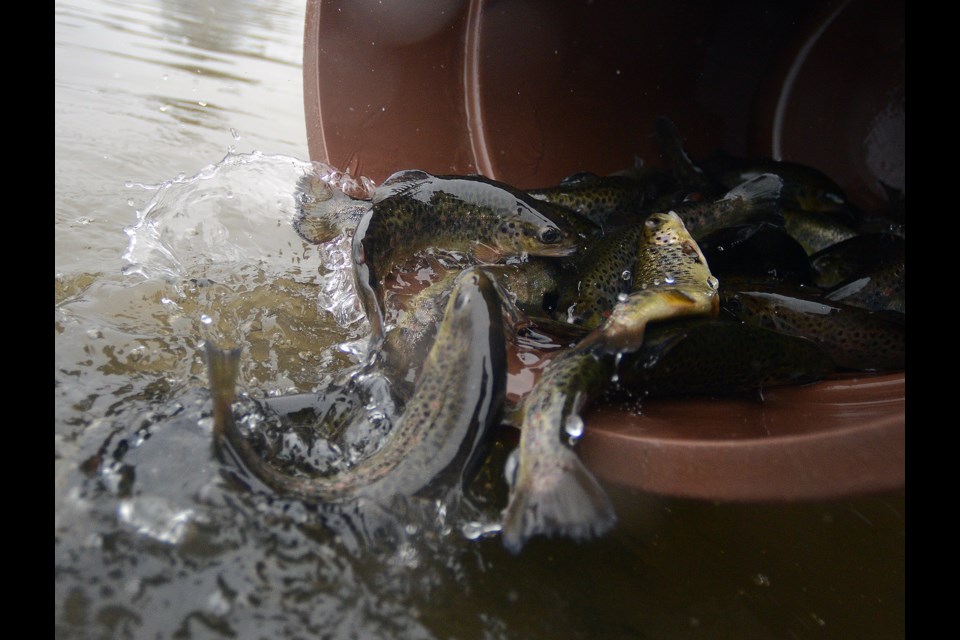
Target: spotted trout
487	220
553	493
671	279
434	444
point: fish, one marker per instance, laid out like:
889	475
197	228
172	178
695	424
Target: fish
323	212
713	356
854	338
413	211
552	493
438	439
805	188
609	201
816	230
671	279
752	201
758	249
592	284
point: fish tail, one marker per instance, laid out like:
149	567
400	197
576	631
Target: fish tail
761	198
567	502
223	367
230	445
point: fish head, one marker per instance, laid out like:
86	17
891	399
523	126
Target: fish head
528	232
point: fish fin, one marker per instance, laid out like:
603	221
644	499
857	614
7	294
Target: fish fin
567	501
400	183
315	230
690	176
485	254
762	199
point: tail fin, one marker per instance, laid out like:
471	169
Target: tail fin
223	366
565	501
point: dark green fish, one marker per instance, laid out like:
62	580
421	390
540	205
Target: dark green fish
853	337
804	188
700	356
609	201
816	230
595	280
671	279
414	211
458	398
856	256
754	200
553	493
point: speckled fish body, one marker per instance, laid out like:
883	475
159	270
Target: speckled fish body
414	211
458	397
754	200
701	356
553	493
671	279
855	256
816	230
804	188
608	201
853	337
595	280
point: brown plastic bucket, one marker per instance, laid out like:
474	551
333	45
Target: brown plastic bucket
531	91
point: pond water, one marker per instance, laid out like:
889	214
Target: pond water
179	140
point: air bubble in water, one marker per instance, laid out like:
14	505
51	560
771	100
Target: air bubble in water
474	530
573	426
205	319
626	275
622	297
511	467
713	283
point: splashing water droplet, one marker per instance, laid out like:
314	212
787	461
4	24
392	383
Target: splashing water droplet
234	133
669	279
713	283
511	467
761	580
474	530
205	319
626	275
622	297
573	426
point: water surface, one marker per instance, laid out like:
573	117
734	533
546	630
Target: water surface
188	116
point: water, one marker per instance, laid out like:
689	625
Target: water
189	115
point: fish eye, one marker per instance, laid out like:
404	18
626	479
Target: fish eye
550	235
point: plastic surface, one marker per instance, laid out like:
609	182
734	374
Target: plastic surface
529	92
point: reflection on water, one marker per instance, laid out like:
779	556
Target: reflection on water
198	107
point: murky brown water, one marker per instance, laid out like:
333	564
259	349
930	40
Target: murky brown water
190	115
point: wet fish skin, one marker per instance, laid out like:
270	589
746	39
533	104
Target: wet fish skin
816	230
553	493
752	201
609	201
414	211
867	271
458	398
671	279
853	337
706	356
590	288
